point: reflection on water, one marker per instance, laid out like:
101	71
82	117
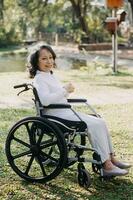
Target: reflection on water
13	63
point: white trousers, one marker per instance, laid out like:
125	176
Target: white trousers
97	131
98	135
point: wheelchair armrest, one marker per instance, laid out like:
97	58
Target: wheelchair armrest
77	100
59	106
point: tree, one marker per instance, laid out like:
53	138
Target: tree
80	8
131	3
22	18
34	12
1	9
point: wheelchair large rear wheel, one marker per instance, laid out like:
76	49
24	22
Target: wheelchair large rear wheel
36	149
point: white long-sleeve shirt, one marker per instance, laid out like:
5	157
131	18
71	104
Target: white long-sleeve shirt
51	91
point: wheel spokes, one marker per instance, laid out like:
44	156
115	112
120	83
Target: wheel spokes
42	167
22	154
48	156
30	133
40	134
47	143
21	142
29	165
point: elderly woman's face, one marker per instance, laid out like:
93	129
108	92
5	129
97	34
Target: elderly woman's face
45	61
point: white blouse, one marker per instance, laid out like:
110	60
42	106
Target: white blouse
51	91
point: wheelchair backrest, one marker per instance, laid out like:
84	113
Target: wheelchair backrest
39	107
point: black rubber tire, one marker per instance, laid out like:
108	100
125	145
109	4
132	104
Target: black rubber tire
24	147
84	178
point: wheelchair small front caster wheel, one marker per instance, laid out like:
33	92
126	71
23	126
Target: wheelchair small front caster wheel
84	179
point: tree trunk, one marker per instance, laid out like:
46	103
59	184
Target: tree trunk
80	10
1	9
41	16
131	3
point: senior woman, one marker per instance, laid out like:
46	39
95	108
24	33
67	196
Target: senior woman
51	91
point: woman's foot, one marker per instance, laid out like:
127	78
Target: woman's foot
121	165
116	171
111	170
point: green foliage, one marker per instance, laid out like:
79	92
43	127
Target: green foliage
95	21
27	19
2	36
11	29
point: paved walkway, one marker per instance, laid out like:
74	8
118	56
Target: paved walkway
100	92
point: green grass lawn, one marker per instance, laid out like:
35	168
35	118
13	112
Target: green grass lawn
114	103
65	186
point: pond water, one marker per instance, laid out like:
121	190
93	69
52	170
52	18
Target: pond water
12	63
69	60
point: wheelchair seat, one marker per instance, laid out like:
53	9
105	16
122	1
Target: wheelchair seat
68	124
76	125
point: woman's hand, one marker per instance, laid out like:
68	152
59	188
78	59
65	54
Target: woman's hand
69	88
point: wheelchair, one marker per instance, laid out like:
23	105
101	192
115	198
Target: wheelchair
38	148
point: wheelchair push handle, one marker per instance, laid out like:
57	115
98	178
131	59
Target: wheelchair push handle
19	86
25	85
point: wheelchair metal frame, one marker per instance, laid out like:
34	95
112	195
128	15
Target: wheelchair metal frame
60	133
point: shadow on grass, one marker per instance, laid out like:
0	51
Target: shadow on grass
116	189
66	187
